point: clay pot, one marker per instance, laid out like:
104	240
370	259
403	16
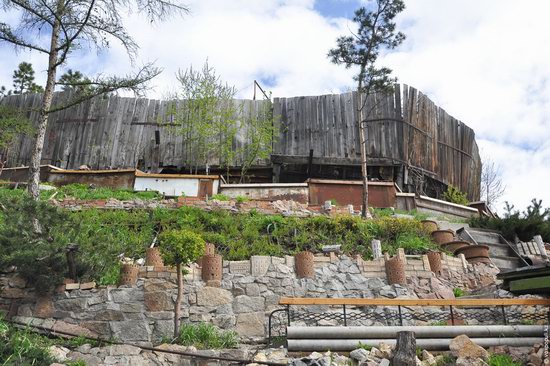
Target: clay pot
395	271
443	236
435	261
304	262
153	257
212	268
479	260
473	251
128	274
209	249
454	245
429	225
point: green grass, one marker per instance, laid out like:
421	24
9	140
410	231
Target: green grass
502	360
84	192
366	347
206	336
220	197
447	359
241	199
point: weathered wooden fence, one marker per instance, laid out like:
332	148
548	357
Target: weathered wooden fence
404	128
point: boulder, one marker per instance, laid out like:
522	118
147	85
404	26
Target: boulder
359	354
250	324
463	347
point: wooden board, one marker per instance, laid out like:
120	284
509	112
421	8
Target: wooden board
411	302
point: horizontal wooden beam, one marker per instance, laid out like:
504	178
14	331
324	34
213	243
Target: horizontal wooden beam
530	284
411	302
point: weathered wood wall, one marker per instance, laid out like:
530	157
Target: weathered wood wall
113	132
403	128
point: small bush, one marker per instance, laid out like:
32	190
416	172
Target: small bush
366	347
242	199
220	197
454	195
502	360
84	192
206	336
458	292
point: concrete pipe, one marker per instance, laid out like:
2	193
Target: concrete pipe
426	331
430	344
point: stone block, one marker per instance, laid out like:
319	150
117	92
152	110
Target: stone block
250	324
109	314
239	267
162	328
17	281
247	304
125	295
44	307
252	289
87	285
158	301
13	293
72	286
76	304
277	260
99	327
128	330
212	296
259	265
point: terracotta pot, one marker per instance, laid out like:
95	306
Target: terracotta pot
435	261
443	236
479	260
153	257
474	251
212	268
128	274
304	262
429	225
209	249
454	245
395	271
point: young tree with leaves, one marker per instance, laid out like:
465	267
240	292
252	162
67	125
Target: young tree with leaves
12	124
206	117
180	248
70	25
375	33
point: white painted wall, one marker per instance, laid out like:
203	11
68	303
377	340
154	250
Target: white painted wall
169	187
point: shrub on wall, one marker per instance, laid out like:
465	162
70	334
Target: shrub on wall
454	195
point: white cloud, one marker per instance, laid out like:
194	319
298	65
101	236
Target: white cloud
485	62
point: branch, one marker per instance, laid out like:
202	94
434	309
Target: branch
7	35
27	7
136	84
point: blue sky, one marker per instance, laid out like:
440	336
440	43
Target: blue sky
464	55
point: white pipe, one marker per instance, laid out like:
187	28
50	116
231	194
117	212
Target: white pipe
435	344
388	332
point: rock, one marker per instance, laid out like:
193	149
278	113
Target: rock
252	289
359	354
463	347
158	301
384	362
129	330
59	353
428	359
385	350
466	361
247	304
250	324
122	349
44	307
388	291
213	296
17	281
536	358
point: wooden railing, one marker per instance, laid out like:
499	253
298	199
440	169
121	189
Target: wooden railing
411	302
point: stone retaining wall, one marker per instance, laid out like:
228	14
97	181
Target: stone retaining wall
242	301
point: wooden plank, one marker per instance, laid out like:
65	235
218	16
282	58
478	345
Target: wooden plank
531	284
412	302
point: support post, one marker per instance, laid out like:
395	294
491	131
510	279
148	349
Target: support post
405	349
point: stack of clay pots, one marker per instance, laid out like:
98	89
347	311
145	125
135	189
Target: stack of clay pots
212	264
447	241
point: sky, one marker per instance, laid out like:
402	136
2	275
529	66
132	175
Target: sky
487	63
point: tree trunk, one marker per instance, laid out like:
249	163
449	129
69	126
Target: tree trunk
178	301
36	157
363	145
405	350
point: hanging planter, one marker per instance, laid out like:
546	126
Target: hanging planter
443	236
128	274
453	246
430	225
304	262
153	257
435	262
212	268
395	271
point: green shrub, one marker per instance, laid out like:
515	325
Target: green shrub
366	347
85	192
458	292
447	359
241	199
535	220
454	195
206	336
502	360
220	197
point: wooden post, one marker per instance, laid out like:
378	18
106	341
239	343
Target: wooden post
405	350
